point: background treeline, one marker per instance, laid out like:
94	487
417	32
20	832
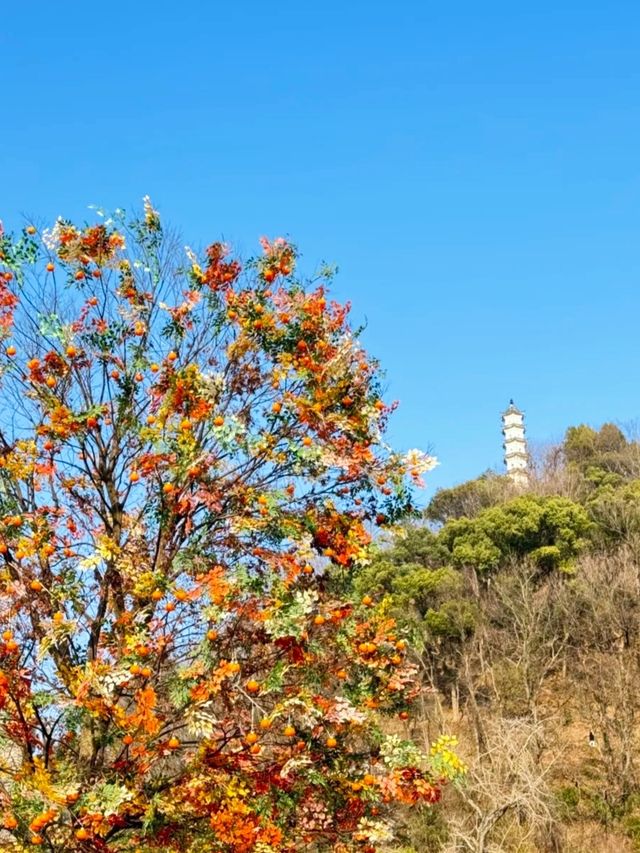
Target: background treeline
524	610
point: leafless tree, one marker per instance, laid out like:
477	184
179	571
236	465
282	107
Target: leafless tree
603	617
505	803
528	636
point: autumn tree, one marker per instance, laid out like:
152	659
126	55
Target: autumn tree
191	465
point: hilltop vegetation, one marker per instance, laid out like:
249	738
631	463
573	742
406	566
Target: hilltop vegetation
201	650
524	611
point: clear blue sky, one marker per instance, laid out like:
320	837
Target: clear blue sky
473	168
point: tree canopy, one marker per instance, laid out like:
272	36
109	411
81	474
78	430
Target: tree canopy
467	499
191	466
550	530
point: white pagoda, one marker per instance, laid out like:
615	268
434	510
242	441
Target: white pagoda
516	458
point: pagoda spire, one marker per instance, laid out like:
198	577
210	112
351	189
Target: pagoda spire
516	458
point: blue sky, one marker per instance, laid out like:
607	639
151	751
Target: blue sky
473	169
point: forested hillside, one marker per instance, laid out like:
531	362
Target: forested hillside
524	611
